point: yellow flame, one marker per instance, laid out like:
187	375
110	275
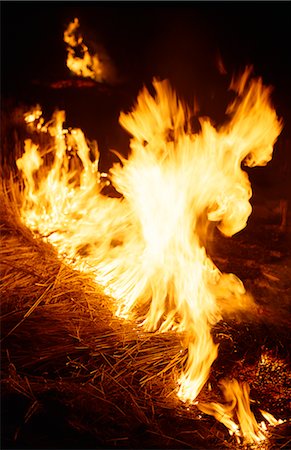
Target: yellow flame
236	414
148	248
237	407
79	59
271	419
33	115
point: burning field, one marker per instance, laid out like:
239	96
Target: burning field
145	306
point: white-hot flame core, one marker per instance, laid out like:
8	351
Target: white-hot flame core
149	248
236	408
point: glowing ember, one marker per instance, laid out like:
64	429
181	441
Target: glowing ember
79	59
149	247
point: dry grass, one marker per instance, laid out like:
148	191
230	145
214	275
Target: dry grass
59	333
110	384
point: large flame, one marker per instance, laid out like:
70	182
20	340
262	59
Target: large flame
148	248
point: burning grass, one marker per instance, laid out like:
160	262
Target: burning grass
109	383
117	382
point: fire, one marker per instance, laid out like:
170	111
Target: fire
237	409
237	406
80	61
148	248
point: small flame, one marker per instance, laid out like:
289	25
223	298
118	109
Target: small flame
148	248
271	419
237	407
32	116
79	59
236	414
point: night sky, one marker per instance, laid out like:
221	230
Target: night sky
174	40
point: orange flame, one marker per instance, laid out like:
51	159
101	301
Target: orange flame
149	247
238	408
79	59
